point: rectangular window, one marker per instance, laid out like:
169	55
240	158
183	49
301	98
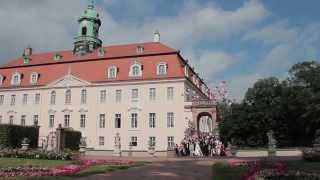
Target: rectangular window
102	121
25	99
171	143
66	120
118	96
83	96
134	141
13	100
170	93
51	121
82	120
152	120
1	99
170	120
11	119
23	120
35	120
37	99
103	96
101	140
152	141
134	94
118	121
152	94
134	120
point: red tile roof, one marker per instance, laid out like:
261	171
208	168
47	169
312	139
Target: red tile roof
93	68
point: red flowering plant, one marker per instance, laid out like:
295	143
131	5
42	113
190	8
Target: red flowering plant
66	170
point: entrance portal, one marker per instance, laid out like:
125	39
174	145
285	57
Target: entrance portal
204	123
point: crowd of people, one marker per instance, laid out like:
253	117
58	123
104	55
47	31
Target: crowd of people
204	145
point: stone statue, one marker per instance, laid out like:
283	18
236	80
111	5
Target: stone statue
272	142
25	144
117	145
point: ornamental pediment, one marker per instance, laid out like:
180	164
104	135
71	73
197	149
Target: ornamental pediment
69	81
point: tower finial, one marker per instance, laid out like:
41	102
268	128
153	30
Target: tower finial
156	36
91	4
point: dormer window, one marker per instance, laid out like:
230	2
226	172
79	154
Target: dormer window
16	79
140	49
57	57
135	70
162	69
1	80
101	52
112	72
186	71
34	78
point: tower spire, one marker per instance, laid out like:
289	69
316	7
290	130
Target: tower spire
90	4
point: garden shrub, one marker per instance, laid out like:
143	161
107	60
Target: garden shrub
12	135
72	139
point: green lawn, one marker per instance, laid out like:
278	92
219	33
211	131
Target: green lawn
222	171
13	162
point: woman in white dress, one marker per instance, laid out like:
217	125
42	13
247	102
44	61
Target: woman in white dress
198	151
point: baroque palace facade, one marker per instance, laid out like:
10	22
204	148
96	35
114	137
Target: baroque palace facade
145	92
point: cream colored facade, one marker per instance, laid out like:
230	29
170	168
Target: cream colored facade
143	105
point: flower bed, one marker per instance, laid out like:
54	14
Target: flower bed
67	170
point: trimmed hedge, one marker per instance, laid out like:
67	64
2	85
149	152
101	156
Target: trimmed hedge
72	139
12	135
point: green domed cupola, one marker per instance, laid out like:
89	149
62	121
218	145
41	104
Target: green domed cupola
87	39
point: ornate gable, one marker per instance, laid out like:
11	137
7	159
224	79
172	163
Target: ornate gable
69	81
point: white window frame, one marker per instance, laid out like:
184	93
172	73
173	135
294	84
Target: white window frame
117	119
83	98
118	96
1	79
23	120
170	93
134	141
51	121
83	118
160	73
152	120
11	119
35	120
171	142
134	120
68	95
66	119
101	141
132	72
135	94
37	98
102	121
170	120
16	79
112	72
1	99
34	78
152	141
152	94
53	96
13	100
25	99
103	96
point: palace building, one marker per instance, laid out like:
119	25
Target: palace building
147	93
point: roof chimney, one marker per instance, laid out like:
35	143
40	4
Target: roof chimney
156	36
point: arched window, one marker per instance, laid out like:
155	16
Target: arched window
83	96
135	70
112	72
162	69
34	78
84	31
68	97
16	79
53	98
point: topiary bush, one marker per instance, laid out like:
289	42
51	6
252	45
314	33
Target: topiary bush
12	135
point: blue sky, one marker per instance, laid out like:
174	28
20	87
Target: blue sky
238	41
